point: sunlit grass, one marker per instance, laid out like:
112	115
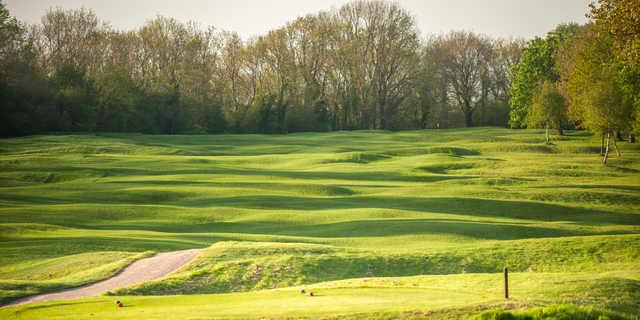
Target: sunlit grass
327	206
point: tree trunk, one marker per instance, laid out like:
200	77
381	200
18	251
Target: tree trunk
560	131
602	143
373	116
483	103
345	116
632	138
281	111
606	151
615	144
468	113
468	121
546	133
282	118
424	118
383	120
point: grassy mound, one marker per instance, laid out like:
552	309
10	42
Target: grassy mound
244	266
359	157
446	168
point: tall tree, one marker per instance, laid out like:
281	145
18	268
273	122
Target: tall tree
621	20
538	63
25	103
75	98
596	87
464	65
232	62
360	66
549	109
71	38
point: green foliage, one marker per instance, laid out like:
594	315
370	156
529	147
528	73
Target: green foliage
538	63
605	106
75	98
549	109
314	74
117	95
11	30
26	106
261	117
620	19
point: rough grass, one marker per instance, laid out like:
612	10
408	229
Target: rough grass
242	266
552	313
280	211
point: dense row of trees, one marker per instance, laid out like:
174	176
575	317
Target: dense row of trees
583	76
362	66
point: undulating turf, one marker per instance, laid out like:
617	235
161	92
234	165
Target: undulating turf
445	209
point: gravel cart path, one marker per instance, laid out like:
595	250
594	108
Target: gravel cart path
139	271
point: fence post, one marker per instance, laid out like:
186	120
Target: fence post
506	283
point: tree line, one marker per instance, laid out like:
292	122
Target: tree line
361	66
583	76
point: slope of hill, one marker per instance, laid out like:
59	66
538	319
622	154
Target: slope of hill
444	210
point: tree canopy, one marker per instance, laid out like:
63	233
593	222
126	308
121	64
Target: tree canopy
361	66
548	109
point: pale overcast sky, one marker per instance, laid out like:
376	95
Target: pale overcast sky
503	18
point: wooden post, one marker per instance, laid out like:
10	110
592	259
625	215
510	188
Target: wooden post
506	283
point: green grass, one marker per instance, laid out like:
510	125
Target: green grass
551	313
283	211
439	296
243	266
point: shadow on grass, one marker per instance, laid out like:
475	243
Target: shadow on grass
314	175
524	211
59	246
379	228
593	186
463	206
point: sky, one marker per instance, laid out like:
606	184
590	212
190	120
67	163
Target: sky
498	18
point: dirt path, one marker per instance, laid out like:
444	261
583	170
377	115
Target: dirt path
139	271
